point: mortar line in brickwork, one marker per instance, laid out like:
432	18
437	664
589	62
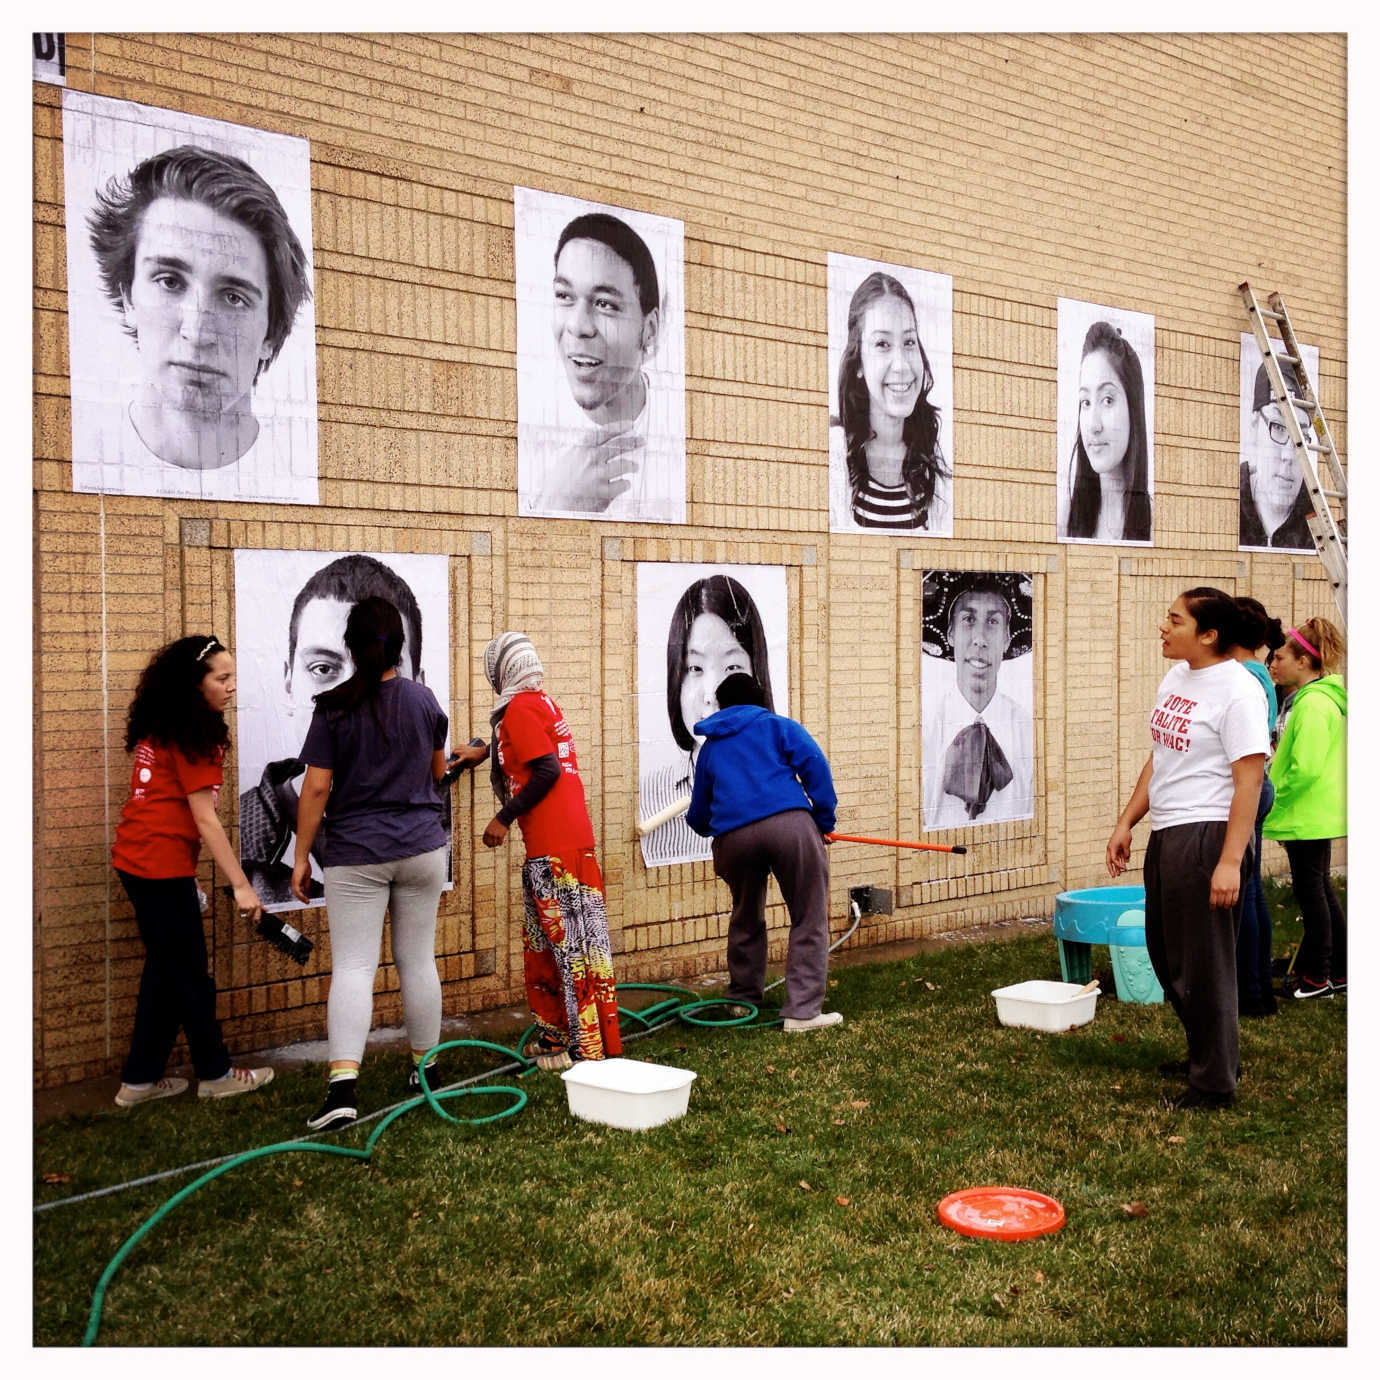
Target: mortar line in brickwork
105	763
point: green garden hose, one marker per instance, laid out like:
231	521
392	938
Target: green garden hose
650	1018
310	1147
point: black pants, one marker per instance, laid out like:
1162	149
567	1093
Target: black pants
1192	946
788	846
1322	951
176	990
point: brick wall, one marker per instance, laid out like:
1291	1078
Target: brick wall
1132	171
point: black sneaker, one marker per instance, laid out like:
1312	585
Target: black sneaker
1309	988
1196	1100
1338	984
339	1107
414	1081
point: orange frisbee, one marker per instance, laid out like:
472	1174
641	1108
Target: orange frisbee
1006	1214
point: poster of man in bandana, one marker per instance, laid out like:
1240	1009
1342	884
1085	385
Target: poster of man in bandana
976	696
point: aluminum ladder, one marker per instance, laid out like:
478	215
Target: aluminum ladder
1326	523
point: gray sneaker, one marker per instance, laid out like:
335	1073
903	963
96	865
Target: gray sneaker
825	1018
165	1087
235	1082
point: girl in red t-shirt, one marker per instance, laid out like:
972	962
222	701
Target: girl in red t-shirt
567	957
177	733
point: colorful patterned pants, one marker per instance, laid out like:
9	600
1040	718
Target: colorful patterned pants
566	956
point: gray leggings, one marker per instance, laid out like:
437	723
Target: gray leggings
357	895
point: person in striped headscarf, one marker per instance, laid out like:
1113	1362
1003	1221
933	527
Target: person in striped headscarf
567	957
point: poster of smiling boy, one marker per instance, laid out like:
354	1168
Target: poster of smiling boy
601	360
1106	425
189	291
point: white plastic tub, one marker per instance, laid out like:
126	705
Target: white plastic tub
627	1093
1042	1005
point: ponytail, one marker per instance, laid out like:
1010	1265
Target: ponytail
1258	629
374	639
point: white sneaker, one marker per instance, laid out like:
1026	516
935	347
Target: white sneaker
165	1087
234	1082
825	1018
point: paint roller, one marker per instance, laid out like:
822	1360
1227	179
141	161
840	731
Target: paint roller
678	807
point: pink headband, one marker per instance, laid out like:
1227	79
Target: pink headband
1305	644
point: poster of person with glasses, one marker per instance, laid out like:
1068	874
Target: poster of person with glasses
1274	503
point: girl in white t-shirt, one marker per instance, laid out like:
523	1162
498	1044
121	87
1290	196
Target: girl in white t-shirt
1200	786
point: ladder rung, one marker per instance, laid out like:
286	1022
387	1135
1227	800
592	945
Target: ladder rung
1273	315
1316	449
1287	359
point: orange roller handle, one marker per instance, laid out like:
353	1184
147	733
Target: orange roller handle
899	843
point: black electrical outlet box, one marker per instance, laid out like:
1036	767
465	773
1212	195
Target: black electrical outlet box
871	900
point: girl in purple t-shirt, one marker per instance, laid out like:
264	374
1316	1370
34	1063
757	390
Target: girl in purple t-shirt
375	752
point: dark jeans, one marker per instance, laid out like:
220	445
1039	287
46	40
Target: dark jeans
1322	951
790	847
1256	940
176	990
1192	947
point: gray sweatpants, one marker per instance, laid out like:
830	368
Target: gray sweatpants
790	847
357	895
1192	946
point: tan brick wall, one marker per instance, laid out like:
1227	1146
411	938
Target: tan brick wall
1124	170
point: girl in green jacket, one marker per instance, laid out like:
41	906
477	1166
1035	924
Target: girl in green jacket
1309	776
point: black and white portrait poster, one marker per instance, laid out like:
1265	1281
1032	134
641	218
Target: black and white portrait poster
1106	425
891	391
697	624
1274	504
977	758
189	294
601	360
290	611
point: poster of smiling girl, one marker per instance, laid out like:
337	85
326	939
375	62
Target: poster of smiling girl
601	360
891	389
1106	425
192	339
697	624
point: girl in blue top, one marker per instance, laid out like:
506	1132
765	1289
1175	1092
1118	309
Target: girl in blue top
1254	943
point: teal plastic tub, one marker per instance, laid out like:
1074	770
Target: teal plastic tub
1114	916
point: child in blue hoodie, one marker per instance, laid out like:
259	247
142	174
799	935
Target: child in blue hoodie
764	793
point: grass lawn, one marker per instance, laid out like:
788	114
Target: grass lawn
794	1205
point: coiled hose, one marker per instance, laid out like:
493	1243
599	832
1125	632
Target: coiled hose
651	1018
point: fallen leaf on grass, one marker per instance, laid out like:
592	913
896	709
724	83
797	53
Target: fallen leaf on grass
1039	1276
789	1294
843	1202
771	1068
54	1177
996	1298
806	1186
1118	1039
1176	1140
1136	1209
839	1121
783	1128
858	1104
